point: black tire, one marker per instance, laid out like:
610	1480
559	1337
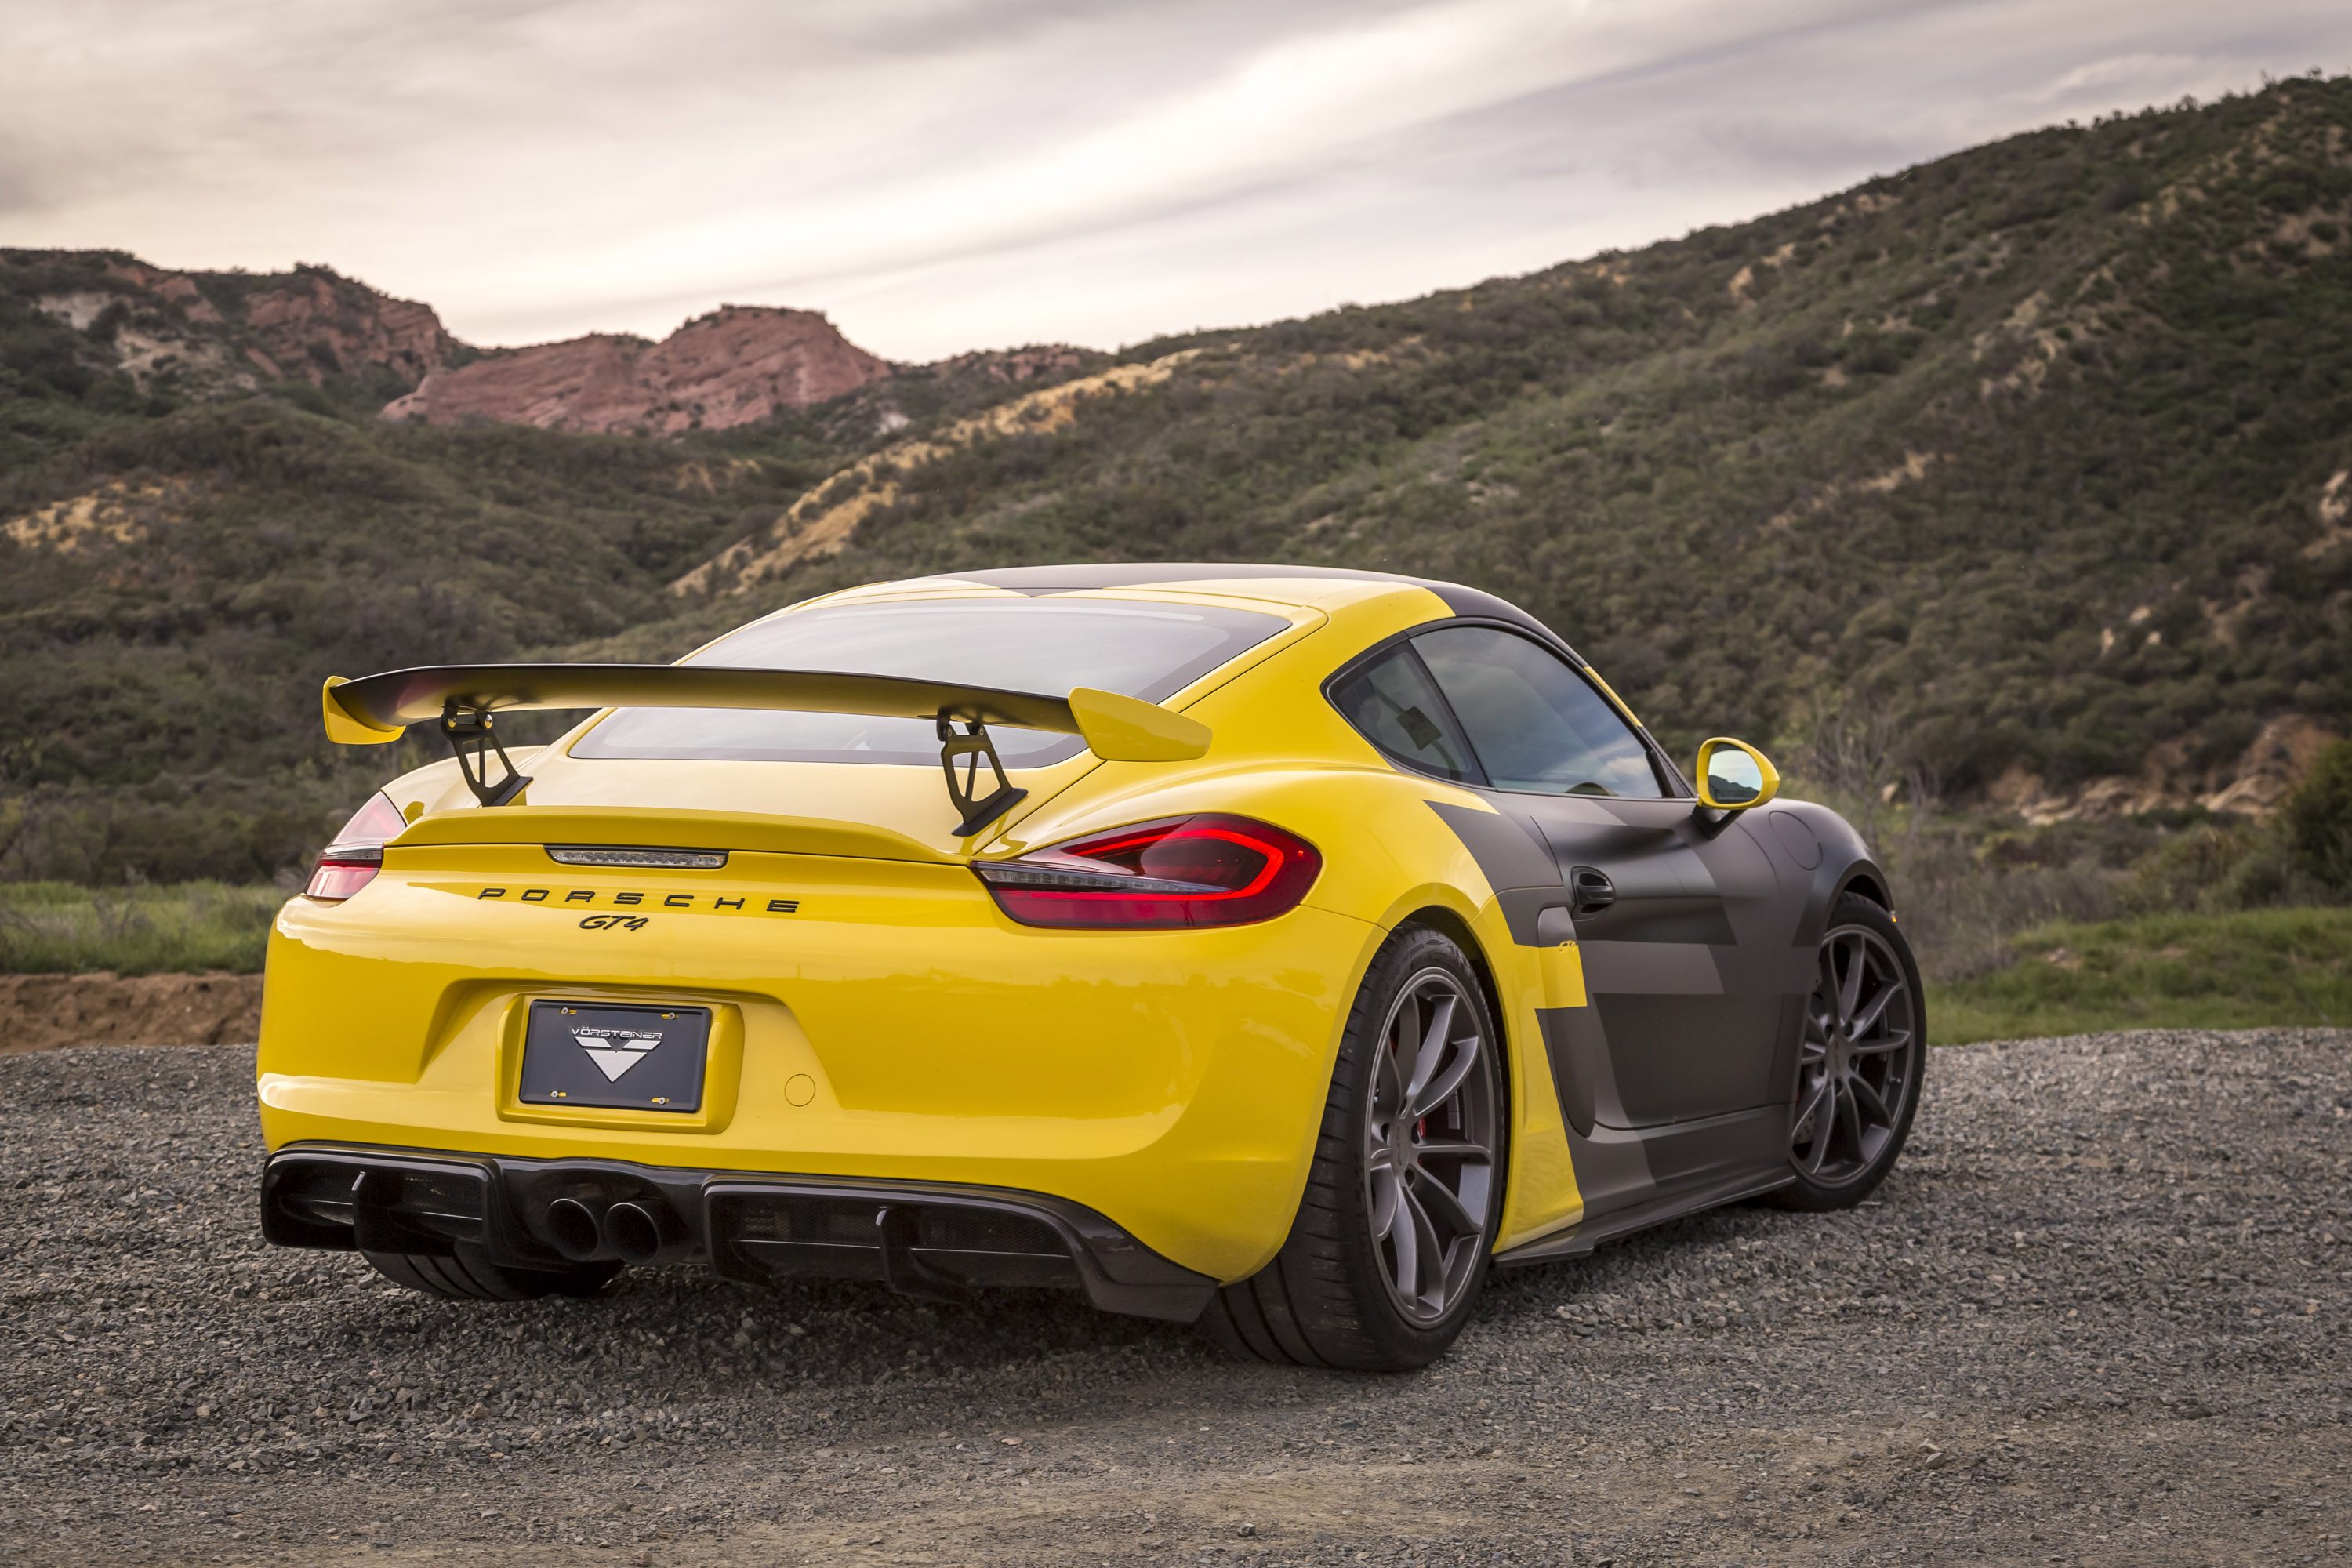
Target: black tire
1331	1297
468	1276
1861	1064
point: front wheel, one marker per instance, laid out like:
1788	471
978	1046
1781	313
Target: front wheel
1864	1055
1392	1242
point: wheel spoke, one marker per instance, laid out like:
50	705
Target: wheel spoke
1440	1203
1389	1093
1384	1204
1850	1115
1866	1100
1823	1091
1450	1149
1824	1126
1441	1089
1849	992
1432	1048
1428	1255
1893	1041
1868	1018
1404	1236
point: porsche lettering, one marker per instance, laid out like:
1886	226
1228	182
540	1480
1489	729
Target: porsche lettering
708	903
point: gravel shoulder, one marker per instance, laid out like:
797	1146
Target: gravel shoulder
2098	1315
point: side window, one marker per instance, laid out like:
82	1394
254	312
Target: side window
1392	702
1533	722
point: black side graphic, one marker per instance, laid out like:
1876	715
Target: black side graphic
1515	861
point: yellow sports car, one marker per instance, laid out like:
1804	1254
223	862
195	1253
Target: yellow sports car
1270	947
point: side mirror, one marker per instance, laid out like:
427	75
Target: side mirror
1734	775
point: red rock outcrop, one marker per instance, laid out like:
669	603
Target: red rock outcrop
316	324
740	365
310	323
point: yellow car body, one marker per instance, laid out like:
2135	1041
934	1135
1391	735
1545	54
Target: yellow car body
878	1023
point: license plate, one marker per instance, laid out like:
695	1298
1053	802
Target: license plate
638	1058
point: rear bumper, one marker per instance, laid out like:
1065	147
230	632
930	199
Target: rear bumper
927	1239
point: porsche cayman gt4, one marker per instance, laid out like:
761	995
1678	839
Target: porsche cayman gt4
1273	948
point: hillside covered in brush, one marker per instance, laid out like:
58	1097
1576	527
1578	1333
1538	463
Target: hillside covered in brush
2032	459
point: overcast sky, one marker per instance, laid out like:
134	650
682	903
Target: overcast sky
945	174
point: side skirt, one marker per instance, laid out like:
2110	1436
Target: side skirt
1584	1238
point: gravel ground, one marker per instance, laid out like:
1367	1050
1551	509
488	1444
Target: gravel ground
2098	1315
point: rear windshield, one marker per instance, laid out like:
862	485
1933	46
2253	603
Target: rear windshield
1047	645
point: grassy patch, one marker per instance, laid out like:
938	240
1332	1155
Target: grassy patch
2241	971
49	928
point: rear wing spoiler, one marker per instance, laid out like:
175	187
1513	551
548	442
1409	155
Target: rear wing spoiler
463	698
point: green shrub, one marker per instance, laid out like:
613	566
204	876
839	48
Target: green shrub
2317	821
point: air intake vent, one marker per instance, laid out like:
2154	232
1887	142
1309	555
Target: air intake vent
605	854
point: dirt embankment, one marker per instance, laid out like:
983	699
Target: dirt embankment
47	1011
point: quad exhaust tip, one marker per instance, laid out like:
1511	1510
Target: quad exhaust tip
632	1231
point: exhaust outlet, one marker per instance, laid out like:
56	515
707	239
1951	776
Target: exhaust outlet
576	1229
639	1231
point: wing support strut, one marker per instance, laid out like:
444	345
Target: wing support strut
966	740
471	739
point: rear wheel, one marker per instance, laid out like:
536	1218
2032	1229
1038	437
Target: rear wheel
1392	1242
1859	1070
469	1275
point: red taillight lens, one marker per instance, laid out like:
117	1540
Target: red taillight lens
352	861
1206	870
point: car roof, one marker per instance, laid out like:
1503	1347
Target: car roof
1094	576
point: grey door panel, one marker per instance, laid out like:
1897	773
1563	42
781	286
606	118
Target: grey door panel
1690	1055
1686	1038
1647	968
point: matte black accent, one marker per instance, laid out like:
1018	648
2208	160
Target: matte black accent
1527	909
1574	1046
1699	1055
1583	1237
747	1225
1508	852
972	746
1593	889
472	739
1709	822
898	1228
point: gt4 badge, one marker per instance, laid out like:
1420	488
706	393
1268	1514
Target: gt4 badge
611	922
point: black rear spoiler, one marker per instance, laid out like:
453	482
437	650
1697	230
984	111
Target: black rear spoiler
463	698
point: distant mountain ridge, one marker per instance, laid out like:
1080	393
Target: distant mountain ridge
209	335
2022	475
741	364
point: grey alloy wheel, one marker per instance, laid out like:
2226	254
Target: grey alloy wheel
1858	1069
1430	1140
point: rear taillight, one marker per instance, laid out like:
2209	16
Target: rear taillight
352	861
1206	870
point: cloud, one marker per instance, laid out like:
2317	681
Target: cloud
943	174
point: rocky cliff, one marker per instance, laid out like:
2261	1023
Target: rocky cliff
70	321
738	365
206	333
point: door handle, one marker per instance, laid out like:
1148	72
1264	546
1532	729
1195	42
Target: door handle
1590	890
